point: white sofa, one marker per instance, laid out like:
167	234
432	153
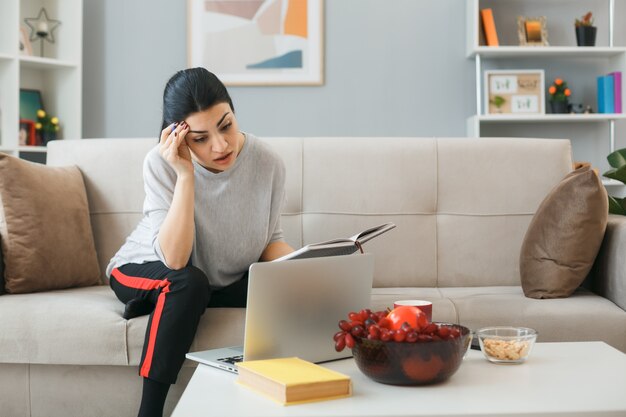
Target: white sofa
461	206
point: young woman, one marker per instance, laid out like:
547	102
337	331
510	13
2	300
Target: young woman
213	202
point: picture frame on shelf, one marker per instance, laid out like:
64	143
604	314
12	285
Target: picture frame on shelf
27	133
30	103
515	92
26	48
532	31
259	43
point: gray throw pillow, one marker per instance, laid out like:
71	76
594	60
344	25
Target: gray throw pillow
564	236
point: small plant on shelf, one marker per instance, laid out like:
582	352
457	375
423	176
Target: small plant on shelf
586	20
47	127
617	160
559	96
585	30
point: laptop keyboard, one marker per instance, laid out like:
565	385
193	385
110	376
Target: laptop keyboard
232	359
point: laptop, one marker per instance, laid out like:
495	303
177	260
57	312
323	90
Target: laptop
293	309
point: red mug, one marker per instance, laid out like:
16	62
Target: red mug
425	306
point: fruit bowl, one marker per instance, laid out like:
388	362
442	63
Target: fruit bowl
417	363
504	344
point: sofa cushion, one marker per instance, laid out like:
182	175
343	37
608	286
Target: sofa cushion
584	316
564	236
487	192
44	224
76	326
84	326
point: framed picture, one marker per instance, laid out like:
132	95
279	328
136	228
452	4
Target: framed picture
261	42
27	134
514	92
30	102
532	31
25	46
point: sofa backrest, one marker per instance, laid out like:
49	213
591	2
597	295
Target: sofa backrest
461	206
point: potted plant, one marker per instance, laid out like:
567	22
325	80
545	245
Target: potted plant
585	30
46	126
617	160
559	96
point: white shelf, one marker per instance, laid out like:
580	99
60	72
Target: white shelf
557	59
57	75
546	51
560	118
45	63
32	149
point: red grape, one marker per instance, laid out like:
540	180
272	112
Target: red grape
353	316
411	336
339	334
357	331
340	344
345	325
349	341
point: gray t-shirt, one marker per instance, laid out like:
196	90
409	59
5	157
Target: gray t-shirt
236	213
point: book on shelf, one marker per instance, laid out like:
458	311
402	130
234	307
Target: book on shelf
606	93
617	91
293	380
489	27
338	247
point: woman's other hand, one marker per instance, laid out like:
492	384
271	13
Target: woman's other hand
174	149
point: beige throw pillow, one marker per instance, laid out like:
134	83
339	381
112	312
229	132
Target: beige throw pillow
564	236
45	232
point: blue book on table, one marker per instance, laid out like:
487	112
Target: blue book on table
606	96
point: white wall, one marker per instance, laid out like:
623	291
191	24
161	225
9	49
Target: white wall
392	68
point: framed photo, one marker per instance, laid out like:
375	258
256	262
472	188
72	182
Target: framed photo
27	134
261	42
515	92
532	31
25	46
30	102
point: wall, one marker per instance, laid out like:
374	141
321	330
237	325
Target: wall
392	68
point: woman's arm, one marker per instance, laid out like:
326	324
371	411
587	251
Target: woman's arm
275	250
177	231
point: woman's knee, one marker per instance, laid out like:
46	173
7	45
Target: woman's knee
192	281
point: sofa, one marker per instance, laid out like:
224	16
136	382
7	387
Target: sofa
461	205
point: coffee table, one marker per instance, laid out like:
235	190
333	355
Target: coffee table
559	379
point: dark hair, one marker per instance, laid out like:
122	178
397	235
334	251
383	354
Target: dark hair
189	91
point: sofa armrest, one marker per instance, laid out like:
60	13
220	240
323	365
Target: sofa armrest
608	275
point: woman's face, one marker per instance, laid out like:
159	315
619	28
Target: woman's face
214	137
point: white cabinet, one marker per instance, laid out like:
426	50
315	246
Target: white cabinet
57	75
561	59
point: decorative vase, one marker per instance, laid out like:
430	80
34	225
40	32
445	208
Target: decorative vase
559	107
586	35
47	137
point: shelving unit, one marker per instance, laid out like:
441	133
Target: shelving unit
58	74
594	61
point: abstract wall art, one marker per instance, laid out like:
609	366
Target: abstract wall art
258	42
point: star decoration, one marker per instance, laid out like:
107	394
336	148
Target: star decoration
42	27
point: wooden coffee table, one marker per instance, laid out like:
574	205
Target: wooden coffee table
559	379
